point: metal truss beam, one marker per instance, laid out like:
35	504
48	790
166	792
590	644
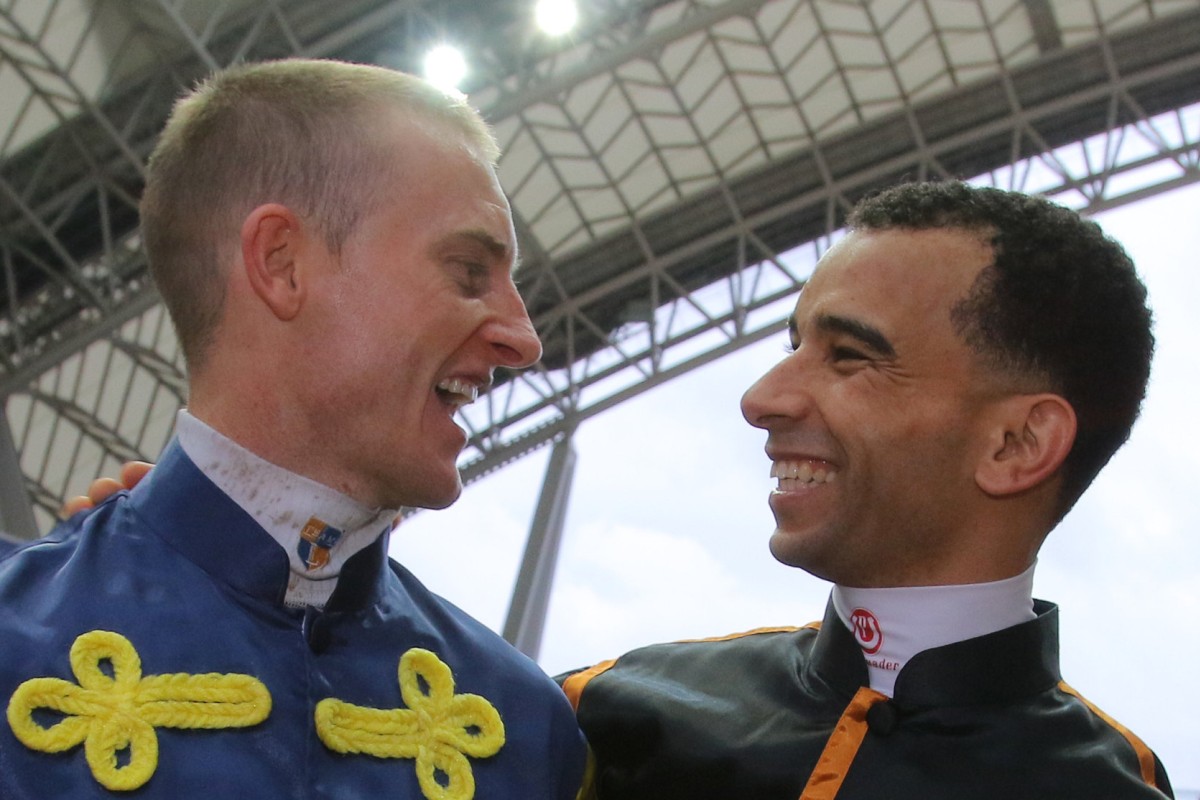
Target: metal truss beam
68	207
109	439
639	291
1096	126
978	128
609	58
70	196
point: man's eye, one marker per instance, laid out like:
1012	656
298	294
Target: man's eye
848	354
473	277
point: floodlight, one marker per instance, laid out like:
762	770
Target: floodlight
556	17
445	66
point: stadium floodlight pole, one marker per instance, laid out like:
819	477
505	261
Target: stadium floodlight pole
16	511
531	597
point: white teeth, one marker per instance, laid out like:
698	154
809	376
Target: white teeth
794	474
460	390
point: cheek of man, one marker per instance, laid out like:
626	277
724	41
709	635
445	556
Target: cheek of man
892	514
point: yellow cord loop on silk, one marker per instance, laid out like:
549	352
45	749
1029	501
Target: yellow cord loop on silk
117	713
439	729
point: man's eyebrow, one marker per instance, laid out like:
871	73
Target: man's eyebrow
495	248
867	334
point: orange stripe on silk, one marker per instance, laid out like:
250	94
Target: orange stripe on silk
1144	755
838	755
573	686
732	636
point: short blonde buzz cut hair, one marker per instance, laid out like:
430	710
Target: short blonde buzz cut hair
298	132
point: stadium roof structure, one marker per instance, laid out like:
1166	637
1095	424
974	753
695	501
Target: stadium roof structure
674	166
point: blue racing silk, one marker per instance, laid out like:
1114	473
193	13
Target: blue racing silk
146	651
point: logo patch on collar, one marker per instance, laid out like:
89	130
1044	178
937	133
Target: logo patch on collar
316	540
867	631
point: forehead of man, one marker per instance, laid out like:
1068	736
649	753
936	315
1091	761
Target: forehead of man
404	144
437	174
903	282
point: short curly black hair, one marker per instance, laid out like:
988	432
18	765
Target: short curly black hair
1060	307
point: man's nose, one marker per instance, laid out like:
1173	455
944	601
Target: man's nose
781	393
511	334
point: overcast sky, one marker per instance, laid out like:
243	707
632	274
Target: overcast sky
666	536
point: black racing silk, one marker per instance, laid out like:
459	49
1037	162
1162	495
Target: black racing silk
785	714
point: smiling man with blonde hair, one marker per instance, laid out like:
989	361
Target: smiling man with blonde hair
337	255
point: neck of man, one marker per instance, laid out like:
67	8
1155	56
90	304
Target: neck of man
318	527
892	625
258	413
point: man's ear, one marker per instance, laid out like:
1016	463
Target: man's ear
1029	442
272	244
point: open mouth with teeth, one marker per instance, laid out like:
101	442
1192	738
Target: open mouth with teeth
457	392
792	475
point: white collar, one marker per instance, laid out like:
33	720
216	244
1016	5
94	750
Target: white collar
893	625
318	527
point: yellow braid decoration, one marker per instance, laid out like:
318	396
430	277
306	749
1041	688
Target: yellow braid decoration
439	728
111	714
